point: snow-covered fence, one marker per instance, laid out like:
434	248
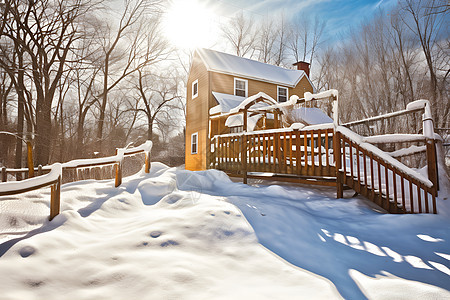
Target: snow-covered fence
380	177
55	173
427	137
52	179
287	151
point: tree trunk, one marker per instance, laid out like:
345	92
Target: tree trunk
43	131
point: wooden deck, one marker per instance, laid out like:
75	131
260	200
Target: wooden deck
327	156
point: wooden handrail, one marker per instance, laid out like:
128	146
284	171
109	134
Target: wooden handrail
53	178
381	184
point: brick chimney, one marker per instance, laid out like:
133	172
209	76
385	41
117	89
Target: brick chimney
302	65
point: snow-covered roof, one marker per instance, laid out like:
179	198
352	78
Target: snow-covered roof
226	102
268	101
231	103
234	65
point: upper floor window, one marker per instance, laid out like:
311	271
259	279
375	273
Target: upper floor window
282	94
194	143
195	89
240	87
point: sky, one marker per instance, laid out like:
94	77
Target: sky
340	15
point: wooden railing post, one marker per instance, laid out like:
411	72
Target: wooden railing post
147	162
55	199
244	148
337	159
432	164
118	177
118	166
244	158
4	175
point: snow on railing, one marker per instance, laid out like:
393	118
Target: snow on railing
334	94
380	177
429	137
53	178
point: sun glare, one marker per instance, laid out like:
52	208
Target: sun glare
189	24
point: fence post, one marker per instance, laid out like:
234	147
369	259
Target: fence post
337	159
432	164
244	147
55	199
147	162
118	174
4	175
39	170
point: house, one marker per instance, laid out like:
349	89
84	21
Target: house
218	83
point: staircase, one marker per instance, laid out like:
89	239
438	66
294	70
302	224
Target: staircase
382	179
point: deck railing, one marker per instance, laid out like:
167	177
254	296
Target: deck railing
331	157
381	178
304	153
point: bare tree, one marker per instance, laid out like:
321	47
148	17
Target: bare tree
267	36
305	37
426	19
42	33
240	32
134	44
159	97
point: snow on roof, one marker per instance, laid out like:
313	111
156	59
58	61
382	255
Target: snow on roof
311	115
234	65
269	100
226	102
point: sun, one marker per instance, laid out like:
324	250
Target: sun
190	24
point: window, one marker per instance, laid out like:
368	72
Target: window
195	89
240	87
194	143
282	94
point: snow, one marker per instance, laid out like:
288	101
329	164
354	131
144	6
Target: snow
226	103
267	100
250	69
147	147
322	95
238	120
10	187
393	138
418	104
176	234
311	115
363	143
408	151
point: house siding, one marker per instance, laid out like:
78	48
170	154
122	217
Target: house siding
197	115
224	83
197	109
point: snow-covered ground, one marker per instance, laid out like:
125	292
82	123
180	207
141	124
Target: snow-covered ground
176	234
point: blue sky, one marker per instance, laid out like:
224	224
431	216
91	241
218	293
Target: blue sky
340	15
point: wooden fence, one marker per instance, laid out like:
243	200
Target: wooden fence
50	179
303	153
